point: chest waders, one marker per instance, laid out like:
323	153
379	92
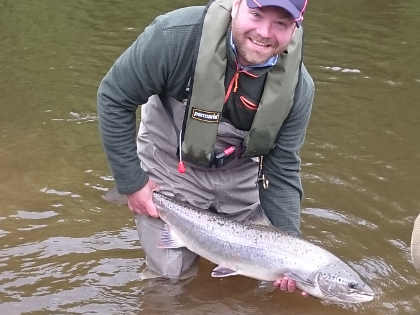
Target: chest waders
206	101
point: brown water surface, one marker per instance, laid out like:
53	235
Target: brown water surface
64	250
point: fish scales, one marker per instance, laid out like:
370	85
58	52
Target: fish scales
230	238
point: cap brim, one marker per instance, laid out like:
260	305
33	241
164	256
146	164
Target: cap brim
285	4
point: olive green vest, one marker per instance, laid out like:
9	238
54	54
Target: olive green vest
208	91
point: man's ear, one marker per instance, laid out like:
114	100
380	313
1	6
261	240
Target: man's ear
235	8
294	30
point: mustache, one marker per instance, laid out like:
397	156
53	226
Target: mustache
262	40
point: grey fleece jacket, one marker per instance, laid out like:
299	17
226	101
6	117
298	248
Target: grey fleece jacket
160	62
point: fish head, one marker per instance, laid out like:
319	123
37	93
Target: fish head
338	282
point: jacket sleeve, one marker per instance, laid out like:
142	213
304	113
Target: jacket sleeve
138	73
281	200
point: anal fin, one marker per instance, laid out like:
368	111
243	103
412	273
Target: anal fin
221	272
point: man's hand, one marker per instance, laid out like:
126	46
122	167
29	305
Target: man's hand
141	201
287	285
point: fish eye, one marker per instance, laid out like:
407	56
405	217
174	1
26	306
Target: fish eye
352	285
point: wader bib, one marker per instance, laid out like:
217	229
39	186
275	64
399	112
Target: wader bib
229	190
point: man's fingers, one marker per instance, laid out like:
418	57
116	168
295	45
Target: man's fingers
129	205
149	209
286	284
153	211
283	284
155	187
291	285
134	208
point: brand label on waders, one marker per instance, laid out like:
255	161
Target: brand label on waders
206	116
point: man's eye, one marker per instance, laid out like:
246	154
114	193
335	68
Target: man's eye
284	24
255	13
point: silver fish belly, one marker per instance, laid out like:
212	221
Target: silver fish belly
259	252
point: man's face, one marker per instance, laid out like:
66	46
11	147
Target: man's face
260	33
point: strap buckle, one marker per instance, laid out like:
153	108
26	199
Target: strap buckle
261	176
220	158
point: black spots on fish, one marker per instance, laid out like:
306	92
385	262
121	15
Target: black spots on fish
340	280
215	220
325	275
333	278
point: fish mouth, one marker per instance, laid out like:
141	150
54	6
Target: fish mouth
355	297
366	294
364	297
360	297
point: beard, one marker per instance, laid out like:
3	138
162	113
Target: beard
253	49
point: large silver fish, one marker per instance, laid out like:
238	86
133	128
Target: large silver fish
259	252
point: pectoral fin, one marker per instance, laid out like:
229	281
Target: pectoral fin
221	272
169	239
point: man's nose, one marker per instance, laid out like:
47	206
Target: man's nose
264	29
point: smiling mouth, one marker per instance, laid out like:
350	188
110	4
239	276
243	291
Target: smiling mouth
259	43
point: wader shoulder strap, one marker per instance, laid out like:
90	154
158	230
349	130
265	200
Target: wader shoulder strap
207	84
277	100
190	84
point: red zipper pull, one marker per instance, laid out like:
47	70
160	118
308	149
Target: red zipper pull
181	167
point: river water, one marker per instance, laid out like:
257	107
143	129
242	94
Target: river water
64	250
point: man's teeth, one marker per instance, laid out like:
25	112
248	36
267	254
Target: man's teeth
259	43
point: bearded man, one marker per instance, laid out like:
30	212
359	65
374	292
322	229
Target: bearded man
227	101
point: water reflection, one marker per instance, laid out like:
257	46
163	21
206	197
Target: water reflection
63	271
333	215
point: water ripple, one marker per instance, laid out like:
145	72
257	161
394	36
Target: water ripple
333	215
58	192
79	118
59	246
34	215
